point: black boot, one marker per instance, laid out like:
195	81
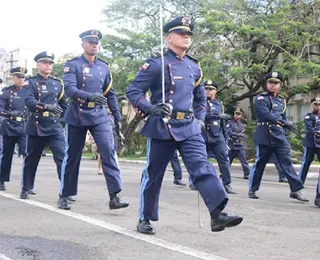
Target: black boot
31	192
229	189
116	203
145	227
2	185
297	195
252	195
71	199
179	182
224	220
192	187
283	179
24	195
246	177
317	202
63	203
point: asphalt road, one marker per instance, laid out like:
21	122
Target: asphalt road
274	227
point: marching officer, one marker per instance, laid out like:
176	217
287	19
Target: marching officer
13	109
235	129
270	137
45	101
215	133
176	125
88	84
311	142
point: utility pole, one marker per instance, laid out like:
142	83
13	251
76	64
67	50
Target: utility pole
12	61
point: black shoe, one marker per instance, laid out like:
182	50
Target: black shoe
43	154
252	195
229	189
283	179
179	182
225	220
71	199
63	203
145	227
317	202
31	192
297	195
192	187
116	203
24	195
2	185
246	177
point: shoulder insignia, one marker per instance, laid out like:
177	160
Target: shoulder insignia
260	97
193	59
265	93
307	117
145	66
55	78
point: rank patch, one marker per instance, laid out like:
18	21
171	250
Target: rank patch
145	66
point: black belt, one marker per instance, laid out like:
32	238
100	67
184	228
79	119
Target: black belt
216	123
17	118
181	115
44	114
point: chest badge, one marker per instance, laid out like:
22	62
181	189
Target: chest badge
44	87
86	70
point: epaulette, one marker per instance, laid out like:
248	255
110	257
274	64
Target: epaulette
281	96
55	78
103	61
156	55
193	59
265	93
30	77
75	58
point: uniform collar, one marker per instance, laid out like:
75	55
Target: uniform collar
43	78
175	55
86	61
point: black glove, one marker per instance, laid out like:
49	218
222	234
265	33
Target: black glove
201	124
97	98
224	116
162	110
56	109
15	113
118	127
290	126
243	135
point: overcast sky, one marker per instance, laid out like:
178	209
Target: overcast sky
52	25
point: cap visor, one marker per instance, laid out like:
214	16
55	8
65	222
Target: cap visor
274	80
210	88
90	39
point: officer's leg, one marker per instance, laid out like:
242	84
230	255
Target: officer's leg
221	153
22	142
244	163
176	167
263	154
35	145
57	145
283	155
279	169
232	155
6	157
203	173
159	153
308	157
103	137
75	138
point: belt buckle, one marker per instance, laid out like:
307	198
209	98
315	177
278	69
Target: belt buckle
91	104
46	113
215	123
180	115
18	118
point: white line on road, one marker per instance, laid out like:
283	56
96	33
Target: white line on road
121	230
3	257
